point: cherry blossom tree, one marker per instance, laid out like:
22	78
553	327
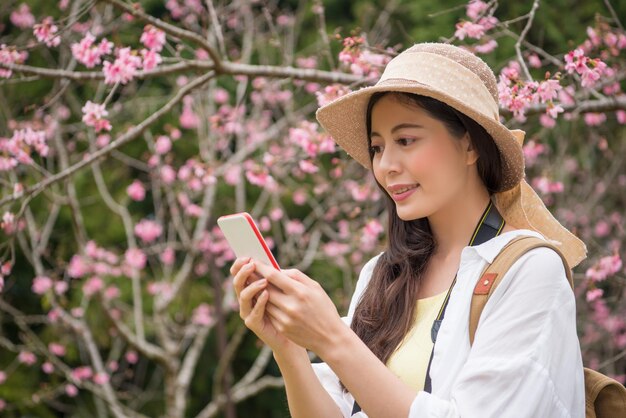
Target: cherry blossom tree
129	127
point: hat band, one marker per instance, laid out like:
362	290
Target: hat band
444	75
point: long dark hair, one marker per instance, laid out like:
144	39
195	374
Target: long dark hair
386	309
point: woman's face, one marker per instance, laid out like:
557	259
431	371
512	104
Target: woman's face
418	162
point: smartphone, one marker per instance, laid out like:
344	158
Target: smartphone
245	238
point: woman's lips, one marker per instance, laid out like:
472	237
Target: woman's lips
404	195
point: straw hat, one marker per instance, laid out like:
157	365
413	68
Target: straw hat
465	82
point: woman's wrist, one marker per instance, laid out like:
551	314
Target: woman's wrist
290	355
336	343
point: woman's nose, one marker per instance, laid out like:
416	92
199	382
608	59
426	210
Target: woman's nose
389	161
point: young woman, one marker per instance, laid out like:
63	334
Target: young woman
452	175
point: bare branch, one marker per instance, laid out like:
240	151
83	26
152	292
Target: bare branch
518	50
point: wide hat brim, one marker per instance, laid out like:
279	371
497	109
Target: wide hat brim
345	120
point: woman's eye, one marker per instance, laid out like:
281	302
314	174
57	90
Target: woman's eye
405	141
375	149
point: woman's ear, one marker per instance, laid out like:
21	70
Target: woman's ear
470	149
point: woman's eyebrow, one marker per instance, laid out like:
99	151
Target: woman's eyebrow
398	127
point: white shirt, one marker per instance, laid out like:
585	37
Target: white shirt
525	360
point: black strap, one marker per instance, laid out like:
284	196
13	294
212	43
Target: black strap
489	226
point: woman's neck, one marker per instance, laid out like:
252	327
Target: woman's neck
453	225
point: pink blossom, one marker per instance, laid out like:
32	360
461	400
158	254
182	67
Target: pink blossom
9	55
26	357
47	367
41	284
554	110
148	230
101	378
469	29
5	268
532	150
188	118
308	166
111	292
3	377
56	349
151	59
299	197
602	229
153	38
546	121
168	174
131	357
333	249
71	390
621	117
89	54
594	294
203	316
46	32
135	258
78	267
475	8
92	286
136	191
123	69
594	119
168	256
82	373
8	224
545	186
487	47
294	227
605	267
534	61
548	90
331	93
163	145
220	96
25	140
77	312
22	17
95	115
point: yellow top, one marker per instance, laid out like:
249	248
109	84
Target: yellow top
410	360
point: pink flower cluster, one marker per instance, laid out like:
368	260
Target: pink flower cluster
313	143
89	54
361	191
605	267
8	56
259	175
153	38
590	70
95	115
203	315
370	233
46	32
546	186
610	39
518	95
532	150
331	93
362	62
213	244
188	118
123	69
20	146
22	17
196	174
8	224
478	24
148	230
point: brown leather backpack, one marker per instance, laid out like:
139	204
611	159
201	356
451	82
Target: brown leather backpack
604	397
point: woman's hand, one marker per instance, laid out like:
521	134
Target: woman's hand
300	309
253	294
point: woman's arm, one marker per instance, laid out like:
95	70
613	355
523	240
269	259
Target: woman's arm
300	309
305	394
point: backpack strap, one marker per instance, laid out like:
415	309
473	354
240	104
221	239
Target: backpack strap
494	272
